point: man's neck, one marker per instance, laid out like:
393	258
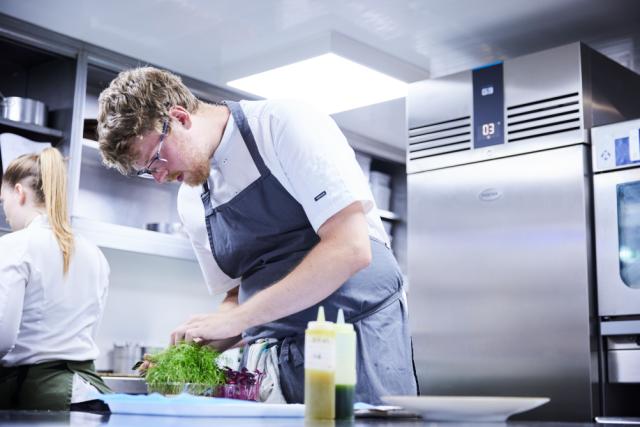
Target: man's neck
216	118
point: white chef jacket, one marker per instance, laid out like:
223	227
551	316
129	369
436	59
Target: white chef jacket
44	315
308	154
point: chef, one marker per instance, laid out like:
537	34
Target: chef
53	288
280	217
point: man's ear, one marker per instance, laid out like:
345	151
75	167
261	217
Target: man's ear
180	114
22	194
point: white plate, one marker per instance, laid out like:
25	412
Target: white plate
466	408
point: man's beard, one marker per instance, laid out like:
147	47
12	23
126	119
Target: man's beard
198	175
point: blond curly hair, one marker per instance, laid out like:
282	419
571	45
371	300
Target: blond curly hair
137	101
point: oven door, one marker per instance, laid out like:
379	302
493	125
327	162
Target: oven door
617	216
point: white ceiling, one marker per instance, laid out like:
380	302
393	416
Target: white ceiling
207	38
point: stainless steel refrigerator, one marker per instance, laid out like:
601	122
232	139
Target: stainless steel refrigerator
502	292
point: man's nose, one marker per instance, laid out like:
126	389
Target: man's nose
160	175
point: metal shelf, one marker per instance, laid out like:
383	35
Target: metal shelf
134	239
127	238
31	131
90	143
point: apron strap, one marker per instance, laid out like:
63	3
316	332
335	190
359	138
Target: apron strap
288	346
247	136
205	196
378	307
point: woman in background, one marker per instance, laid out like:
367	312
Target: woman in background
53	288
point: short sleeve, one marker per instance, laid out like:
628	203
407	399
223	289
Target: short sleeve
14	275
318	162
217	282
191	213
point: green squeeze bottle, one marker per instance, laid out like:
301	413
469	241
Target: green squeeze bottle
319	369
345	368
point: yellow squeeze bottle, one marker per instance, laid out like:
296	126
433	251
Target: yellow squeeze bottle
345	368
319	369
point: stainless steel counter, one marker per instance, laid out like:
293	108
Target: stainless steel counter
34	418
129	385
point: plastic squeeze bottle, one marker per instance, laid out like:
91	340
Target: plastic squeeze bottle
319	369
345	368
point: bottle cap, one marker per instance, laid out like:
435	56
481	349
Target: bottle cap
320	322
340	325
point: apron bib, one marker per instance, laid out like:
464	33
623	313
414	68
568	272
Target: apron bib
262	234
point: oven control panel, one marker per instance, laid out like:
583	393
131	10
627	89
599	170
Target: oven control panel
616	146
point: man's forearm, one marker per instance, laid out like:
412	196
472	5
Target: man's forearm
320	274
327	266
230	300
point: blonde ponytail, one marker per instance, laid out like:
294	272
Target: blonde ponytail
54	189
46	175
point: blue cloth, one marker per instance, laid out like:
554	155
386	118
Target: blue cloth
156	398
185	405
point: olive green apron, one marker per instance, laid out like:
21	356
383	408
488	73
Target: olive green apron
45	386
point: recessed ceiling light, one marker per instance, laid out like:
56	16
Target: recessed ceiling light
330	82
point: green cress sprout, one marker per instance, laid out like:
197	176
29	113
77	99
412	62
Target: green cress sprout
184	364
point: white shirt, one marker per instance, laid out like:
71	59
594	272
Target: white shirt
45	316
307	153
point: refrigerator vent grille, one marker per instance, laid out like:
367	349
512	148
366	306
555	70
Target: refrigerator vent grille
440	138
545	117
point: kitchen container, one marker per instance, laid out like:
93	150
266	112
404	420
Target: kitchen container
364	161
240	391
346	369
178	387
320	369
229	391
381	188
165	227
125	355
24	110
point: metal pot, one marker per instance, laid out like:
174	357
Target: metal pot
165	227
23	110
125	355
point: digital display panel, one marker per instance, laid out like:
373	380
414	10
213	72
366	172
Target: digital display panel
488	106
628	149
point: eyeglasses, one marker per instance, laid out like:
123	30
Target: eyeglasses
149	170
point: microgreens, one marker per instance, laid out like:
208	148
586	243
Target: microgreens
185	363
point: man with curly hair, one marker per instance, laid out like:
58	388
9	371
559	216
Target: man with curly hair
280	216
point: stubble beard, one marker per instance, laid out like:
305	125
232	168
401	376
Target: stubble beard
198	175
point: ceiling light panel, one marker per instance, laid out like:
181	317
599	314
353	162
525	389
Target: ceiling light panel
330	82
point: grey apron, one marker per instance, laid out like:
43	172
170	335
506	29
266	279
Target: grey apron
261	235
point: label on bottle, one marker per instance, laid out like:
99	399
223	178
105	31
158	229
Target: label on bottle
319	352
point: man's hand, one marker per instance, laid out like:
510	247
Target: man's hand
144	364
218	330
